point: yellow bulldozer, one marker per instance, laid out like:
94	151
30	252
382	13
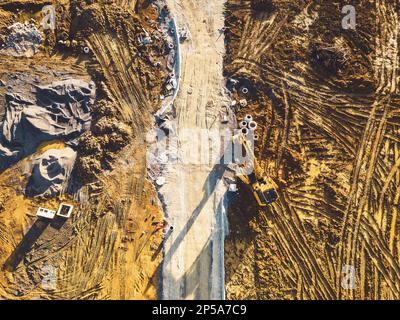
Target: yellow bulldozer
251	174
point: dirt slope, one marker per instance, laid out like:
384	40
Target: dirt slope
110	248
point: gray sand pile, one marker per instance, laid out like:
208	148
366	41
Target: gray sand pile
23	40
51	172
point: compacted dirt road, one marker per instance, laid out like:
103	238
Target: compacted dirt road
194	194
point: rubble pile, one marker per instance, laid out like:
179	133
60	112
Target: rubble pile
23	39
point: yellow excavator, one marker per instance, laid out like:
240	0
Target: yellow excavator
263	188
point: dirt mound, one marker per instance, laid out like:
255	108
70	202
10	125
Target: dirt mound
322	102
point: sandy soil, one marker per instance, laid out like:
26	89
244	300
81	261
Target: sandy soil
194	193
327	104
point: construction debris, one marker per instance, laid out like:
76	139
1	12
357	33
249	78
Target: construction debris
233	187
45	213
243	103
183	34
160	181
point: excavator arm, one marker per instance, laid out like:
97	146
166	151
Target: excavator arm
250	172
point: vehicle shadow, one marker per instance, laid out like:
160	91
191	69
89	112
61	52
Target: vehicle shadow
26	244
195	283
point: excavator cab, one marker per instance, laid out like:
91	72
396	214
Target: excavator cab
263	188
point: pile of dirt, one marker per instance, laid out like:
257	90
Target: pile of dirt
51	172
22	39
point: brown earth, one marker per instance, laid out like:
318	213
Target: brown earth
110	247
327	104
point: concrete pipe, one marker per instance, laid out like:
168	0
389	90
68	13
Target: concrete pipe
244	131
245	90
252	125
248	118
170	45
256	137
243	124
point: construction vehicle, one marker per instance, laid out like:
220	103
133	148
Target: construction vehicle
251	174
